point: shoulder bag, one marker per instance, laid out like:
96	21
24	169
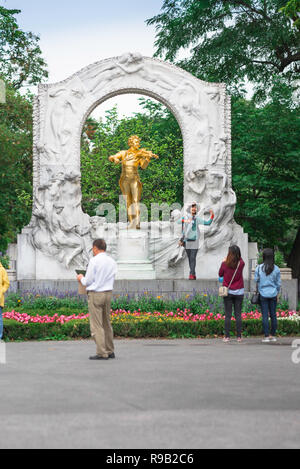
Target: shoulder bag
255	299
223	291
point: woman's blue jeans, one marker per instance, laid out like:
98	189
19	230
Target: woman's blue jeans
1	323
268	306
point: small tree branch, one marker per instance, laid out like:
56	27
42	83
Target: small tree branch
254	10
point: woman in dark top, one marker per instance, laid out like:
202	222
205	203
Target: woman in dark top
231	272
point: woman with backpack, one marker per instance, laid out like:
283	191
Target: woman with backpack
267	276
231	273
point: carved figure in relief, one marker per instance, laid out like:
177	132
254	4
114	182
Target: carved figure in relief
128	64
214	94
134	63
60	227
201	179
72	198
164	251
193	102
196	180
63	108
97	227
216	184
46	153
219	149
40	236
223	231
224	202
105	75
67	236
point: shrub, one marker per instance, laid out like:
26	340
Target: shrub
69	303
140	325
5	260
279	259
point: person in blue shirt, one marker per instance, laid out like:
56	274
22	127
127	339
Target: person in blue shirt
267	275
191	235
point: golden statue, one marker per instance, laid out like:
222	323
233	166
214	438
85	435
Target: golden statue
130	182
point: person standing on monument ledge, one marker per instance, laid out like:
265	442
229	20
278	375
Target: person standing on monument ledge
99	282
191	235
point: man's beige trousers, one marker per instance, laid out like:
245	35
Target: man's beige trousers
101	330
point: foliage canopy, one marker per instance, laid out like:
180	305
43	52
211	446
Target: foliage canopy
21	61
159	132
266	168
230	41
15	165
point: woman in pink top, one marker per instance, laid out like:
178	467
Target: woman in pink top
231	272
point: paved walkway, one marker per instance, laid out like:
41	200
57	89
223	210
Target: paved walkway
155	394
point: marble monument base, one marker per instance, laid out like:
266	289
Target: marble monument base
144	254
133	255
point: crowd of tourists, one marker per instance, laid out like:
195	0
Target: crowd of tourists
267	277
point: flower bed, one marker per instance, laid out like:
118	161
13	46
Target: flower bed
25	318
48	302
138	323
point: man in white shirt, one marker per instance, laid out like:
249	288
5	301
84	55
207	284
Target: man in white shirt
99	282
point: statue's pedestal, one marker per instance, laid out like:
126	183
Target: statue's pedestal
145	254
133	255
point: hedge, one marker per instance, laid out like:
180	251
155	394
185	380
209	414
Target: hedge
16	331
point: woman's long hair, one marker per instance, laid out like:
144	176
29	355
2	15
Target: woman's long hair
233	257
268	260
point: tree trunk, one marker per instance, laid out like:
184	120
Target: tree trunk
294	257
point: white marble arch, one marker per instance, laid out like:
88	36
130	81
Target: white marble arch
59	232
201	109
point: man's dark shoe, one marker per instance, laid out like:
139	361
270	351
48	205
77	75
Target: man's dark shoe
98	357
111	355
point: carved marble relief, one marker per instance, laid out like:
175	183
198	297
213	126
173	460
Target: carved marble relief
59	228
59	225
62	115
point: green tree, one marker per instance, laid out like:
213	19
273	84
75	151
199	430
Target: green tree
159	132
292	10
15	165
230	41
21	61
21	64
266	168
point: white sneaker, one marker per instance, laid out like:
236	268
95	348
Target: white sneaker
266	339
273	339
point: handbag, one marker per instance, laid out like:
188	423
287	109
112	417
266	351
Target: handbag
255	298
182	239
223	291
